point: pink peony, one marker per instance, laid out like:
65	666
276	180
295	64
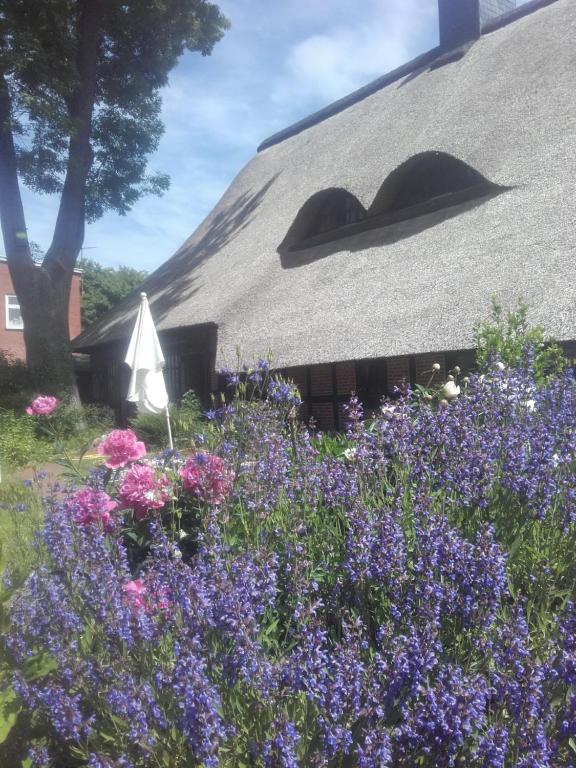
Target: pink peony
135	594
142	490
206	476
92	506
43	405
121	446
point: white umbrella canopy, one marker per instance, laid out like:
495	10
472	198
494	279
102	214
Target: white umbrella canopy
147	387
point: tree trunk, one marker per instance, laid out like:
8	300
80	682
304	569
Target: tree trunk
43	301
46	333
43	291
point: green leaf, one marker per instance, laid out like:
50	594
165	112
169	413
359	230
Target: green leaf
9	709
39	666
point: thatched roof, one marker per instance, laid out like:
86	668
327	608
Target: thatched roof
505	106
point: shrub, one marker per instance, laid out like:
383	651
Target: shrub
186	419
17	440
267	602
74	423
15	384
510	339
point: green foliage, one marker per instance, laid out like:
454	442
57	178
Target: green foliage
16	387
20	518
507	337
104	287
330	445
139	42
71	428
186	420
18	443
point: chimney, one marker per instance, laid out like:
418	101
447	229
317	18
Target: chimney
462	20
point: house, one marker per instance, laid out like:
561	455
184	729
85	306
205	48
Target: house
362	244
12	328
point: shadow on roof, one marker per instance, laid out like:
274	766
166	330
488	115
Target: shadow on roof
383	236
175	282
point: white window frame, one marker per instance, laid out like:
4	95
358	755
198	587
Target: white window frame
8	305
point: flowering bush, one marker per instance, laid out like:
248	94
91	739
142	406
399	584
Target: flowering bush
91	505
207	478
43	405
143	490
406	602
121	447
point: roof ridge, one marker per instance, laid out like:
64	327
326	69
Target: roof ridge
402	71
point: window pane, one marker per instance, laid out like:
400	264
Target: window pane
13	315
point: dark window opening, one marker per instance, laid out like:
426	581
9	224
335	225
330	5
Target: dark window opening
336	210
325	212
371	382
423	178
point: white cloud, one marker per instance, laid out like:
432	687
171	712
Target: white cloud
328	65
278	62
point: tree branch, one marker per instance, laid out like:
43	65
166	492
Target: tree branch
12	217
69	229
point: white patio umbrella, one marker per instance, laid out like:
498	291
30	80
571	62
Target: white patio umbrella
147	387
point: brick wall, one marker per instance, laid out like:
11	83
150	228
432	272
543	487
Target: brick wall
321	380
423	368
324	390
331	385
345	378
398	369
12	341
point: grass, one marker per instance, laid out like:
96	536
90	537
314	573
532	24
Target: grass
20	517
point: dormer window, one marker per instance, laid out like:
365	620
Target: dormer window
424	184
326	212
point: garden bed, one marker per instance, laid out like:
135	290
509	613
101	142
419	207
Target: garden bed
400	598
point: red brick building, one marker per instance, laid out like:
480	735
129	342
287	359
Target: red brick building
11	326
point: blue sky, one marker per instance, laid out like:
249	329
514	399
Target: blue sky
279	62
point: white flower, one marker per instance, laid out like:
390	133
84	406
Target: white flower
388	410
466	380
456	369
436	367
500	366
450	390
350	454
529	405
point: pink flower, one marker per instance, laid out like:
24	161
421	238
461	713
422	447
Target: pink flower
122	447
43	405
135	594
142	490
90	506
206	476
140	597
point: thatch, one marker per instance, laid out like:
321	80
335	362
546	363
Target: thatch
506	106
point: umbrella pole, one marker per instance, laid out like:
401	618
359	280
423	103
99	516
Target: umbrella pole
170	441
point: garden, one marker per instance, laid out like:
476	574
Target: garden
401	595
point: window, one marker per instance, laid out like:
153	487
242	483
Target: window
13	315
331	210
426	183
